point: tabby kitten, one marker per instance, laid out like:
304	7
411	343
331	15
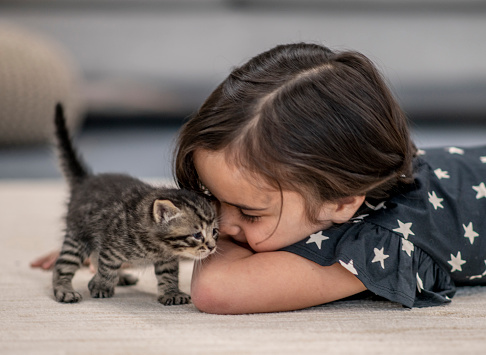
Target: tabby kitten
115	218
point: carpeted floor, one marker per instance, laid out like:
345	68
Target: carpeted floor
132	322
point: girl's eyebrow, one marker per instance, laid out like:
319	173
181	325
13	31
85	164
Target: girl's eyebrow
244	207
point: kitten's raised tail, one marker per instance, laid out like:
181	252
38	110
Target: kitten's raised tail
72	166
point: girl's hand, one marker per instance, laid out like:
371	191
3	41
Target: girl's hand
46	262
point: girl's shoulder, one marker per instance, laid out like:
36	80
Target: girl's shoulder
442	212
455	159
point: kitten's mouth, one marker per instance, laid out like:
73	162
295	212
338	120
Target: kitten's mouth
197	254
205	253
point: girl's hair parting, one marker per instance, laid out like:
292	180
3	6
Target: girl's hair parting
306	119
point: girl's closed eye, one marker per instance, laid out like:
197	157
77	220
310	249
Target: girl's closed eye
247	217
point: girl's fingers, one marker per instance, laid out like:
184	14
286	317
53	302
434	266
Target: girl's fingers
46	262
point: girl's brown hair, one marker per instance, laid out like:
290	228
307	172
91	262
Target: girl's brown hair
306	119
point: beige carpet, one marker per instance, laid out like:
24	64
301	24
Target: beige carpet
132	322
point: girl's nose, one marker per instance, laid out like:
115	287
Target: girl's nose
229	229
228	222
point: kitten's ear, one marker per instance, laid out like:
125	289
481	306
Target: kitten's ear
164	211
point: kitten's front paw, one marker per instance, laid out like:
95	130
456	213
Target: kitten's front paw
174	298
100	290
67	296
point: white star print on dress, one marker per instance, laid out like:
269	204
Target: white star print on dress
349	266
380	257
478	276
481	190
404	228
420	283
359	218
455	150
407	246
435	201
317	238
456	262
469	232
377	207
441	174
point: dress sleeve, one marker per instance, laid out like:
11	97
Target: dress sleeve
389	265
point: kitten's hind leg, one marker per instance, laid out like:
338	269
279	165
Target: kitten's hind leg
103	283
125	279
69	261
167	273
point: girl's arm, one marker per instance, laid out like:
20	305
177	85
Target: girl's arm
236	280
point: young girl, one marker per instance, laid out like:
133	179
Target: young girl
321	192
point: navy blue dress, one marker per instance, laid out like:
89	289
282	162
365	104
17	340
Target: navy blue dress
418	245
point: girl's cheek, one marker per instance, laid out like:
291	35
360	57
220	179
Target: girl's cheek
270	239
253	237
261	241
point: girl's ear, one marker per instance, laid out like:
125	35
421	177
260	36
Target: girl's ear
345	208
164	211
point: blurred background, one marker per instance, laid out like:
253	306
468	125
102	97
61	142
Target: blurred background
131	71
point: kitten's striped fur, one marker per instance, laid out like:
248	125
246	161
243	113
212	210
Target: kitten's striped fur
115	218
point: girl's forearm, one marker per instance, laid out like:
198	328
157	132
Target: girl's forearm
235	280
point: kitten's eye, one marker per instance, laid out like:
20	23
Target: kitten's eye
198	236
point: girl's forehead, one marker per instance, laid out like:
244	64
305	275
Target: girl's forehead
218	166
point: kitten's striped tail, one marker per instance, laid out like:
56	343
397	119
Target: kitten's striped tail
72	166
